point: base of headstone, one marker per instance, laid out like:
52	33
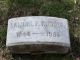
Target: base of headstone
38	49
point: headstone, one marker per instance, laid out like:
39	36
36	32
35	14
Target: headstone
33	34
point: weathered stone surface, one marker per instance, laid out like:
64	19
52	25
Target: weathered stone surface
38	34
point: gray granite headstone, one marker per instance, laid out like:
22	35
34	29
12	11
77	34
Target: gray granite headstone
33	34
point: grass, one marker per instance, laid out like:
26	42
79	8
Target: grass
58	8
40	7
2	36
